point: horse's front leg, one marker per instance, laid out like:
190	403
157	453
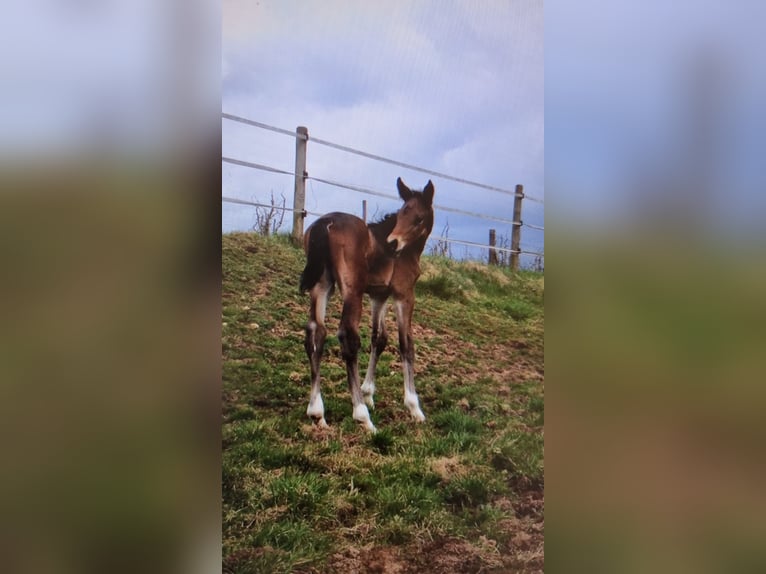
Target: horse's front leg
350	343
378	343
404	308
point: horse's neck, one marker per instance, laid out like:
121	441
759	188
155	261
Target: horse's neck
418	251
376	249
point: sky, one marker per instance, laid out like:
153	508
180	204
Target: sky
455	87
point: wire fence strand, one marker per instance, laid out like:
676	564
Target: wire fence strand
269	206
263	126
369	191
380	158
256	166
484	246
396	198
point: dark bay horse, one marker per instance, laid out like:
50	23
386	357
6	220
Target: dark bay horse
381	259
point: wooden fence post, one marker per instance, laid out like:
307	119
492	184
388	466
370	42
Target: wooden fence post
299	197
516	231
364	210
492	252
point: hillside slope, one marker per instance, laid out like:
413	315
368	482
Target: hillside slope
462	492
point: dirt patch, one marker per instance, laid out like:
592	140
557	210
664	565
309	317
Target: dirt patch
530	503
531	495
236	560
503	504
520	367
448	468
445	556
518	372
521	551
420	332
523	533
454	555
382	560
317	433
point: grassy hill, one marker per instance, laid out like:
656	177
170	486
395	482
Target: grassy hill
462	492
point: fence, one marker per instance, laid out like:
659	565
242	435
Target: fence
300	176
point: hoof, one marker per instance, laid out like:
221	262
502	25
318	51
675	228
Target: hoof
368	426
320	422
316	408
418	416
362	416
413	405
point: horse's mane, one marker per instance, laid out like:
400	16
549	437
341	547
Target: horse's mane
383	227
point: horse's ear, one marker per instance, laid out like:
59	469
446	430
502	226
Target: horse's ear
428	192
404	192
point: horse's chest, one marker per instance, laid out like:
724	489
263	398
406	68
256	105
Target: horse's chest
380	274
391	277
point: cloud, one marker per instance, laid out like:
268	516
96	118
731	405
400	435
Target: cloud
453	87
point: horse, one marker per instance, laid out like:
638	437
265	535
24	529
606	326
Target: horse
381	259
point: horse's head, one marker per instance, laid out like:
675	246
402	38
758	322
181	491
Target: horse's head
415	218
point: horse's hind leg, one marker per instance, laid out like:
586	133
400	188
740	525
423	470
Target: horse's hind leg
316	333
348	335
404	309
377	345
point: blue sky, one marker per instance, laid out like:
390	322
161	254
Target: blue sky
456	87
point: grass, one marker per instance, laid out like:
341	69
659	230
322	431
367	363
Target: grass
466	486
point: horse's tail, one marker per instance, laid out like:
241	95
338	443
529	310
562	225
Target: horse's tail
317	257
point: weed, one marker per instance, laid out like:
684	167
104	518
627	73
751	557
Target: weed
295	496
520	453
468	491
303	494
442	287
382	441
453	420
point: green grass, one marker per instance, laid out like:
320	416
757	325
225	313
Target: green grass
297	499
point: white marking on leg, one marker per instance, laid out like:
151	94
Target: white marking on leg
323	294
399	308
316	409
413	404
313	329
411	400
316	406
362	415
368	387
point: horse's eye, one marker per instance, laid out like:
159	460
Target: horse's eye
418	221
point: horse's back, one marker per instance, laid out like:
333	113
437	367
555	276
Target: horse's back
341	228
341	221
